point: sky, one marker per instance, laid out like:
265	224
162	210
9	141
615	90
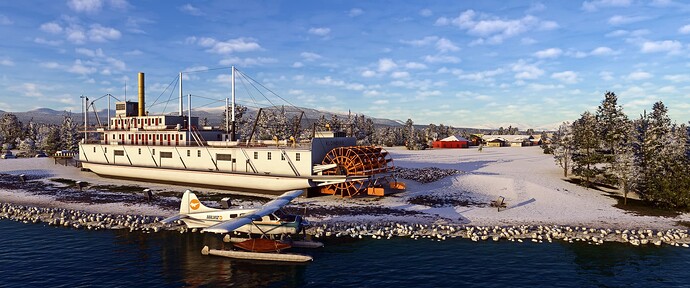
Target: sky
531	64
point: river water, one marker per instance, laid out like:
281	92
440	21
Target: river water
36	255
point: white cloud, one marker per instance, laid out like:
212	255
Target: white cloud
90	53
79	68
75	35
4	20
40	40
421	42
568	77
596	4
50	65
606	75
354	12
425	12
441	59
638	75
526	71
321	31
678	78
670	46
246	62
622	20
297	65
415	65
226	47
6	62
481	75
31	90
368	73
684	30
99	33
51	27
400	74
549	53
87	6
381	102
603	51
493	30
445	45
191	10
309	56
135	52
386	64
527	41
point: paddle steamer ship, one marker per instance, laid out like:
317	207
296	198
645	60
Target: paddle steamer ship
176	149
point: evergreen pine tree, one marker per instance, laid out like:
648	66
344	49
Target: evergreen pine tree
562	147
585	145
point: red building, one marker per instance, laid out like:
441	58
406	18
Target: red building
452	142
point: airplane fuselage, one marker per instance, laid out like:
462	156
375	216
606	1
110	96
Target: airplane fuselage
267	225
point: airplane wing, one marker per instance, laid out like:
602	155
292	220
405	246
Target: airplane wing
268	208
173	218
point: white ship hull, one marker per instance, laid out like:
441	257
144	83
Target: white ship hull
239	181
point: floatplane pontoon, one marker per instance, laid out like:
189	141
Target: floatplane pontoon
266	221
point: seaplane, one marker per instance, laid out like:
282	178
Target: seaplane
269	221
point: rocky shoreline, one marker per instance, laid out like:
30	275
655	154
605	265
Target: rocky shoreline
76	219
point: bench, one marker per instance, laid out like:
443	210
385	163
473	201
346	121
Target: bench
499	203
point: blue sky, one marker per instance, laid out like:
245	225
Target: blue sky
460	63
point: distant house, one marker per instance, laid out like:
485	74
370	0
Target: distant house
476	139
454	141
507	140
536	140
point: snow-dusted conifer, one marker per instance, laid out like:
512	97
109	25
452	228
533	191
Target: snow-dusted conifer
69	135
562	147
10	129
585	145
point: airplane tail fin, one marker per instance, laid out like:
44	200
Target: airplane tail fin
191	204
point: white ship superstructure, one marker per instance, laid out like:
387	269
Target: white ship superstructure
174	148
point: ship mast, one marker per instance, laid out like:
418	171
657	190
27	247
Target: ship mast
232	83
180	106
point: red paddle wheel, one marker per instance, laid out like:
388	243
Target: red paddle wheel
371	161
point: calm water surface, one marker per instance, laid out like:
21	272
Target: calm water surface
35	255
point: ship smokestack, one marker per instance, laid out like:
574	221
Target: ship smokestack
142	109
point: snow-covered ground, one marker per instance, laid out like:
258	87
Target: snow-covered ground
532	184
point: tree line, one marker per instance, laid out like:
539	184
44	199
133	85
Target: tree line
32	137
649	155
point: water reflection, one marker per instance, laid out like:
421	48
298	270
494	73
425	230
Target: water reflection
181	261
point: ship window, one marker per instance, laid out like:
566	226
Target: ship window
139	136
153	151
224	157
158	137
105	150
166	154
189	153
282	157
94	149
139	121
269	155
119	152
198	153
139	151
113	136
150	136
129	137
233	215
256	155
297	157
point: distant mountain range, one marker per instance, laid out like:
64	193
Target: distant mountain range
215	117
